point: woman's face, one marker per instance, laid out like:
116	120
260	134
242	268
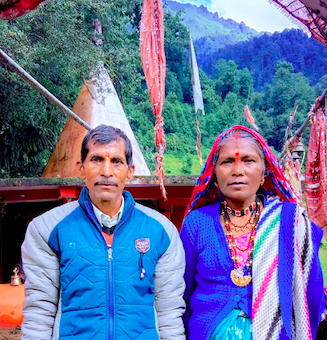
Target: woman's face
239	171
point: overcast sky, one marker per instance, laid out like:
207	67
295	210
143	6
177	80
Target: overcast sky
258	14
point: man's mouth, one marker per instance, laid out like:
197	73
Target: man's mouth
106	184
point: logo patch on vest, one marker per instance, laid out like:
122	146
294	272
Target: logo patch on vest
142	245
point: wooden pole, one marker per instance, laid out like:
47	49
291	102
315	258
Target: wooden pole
29	79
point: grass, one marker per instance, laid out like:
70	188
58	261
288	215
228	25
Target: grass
173	165
323	258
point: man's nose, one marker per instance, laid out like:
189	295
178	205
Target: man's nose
106	168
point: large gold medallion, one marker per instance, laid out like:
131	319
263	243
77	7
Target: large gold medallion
237	276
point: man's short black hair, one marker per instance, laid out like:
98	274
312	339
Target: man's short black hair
105	134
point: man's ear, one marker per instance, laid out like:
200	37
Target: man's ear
81	169
130	174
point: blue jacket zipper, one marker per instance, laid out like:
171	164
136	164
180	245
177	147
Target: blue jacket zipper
111	299
110	259
109	265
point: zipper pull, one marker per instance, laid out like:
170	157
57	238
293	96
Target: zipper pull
142	270
110	253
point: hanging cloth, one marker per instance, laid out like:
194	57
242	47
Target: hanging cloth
312	14
154	67
197	97
248	116
292	172
18	8
316	169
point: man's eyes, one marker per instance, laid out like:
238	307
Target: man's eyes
101	159
96	159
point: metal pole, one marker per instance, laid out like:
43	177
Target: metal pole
29	79
301	129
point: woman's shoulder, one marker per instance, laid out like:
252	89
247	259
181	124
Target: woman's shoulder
200	217
207	210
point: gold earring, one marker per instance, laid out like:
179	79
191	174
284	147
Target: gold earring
262	181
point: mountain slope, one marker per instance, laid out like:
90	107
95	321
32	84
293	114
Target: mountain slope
213	31
261	54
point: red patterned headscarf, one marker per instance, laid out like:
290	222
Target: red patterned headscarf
206	192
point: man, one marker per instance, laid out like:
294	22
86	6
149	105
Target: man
103	267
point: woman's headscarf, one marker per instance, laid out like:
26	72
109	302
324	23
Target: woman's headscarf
206	191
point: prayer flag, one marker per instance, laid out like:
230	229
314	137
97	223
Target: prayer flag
249	117
292	171
197	97
197	92
154	67
316	169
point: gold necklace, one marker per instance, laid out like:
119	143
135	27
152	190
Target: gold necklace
237	274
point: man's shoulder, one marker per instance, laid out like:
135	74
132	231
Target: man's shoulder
152	213
54	216
158	218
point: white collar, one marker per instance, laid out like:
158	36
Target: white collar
106	220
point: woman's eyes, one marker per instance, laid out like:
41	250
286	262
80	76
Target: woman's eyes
248	160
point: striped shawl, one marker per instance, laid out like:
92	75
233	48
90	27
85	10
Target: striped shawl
287	278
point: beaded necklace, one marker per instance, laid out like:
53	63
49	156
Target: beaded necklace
239	213
237	274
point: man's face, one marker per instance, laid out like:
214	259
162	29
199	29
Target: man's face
105	171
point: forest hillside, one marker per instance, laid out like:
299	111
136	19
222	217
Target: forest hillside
55	44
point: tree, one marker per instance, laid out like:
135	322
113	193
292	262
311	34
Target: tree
226	78
55	44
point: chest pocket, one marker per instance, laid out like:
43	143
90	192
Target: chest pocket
134	285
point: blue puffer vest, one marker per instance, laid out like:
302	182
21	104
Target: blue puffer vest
103	296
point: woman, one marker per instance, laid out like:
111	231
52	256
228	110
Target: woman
252	267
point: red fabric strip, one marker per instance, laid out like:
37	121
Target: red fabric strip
154	67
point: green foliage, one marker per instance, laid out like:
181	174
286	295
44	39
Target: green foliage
261	54
287	91
323	258
55	44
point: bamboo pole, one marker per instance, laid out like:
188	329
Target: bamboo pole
30	80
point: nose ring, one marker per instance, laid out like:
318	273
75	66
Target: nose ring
243	173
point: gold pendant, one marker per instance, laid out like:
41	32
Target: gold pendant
237	276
